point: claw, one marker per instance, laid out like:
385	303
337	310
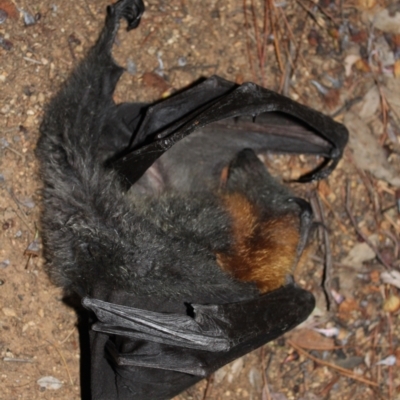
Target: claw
131	10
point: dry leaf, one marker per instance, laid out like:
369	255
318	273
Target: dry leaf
366	4
391	92
391	278
348	306
324	189
362	65
369	104
386	22
396	69
388	361
375	276
311	340
392	304
359	254
155	81
367	152
9	7
349	61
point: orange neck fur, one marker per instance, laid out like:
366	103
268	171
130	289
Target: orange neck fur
264	251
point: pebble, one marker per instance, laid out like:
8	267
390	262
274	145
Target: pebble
255	379
5	109
131	67
8	312
49	382
182	61
3	16
29	121
236	368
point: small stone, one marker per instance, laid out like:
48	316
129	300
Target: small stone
220	375
30	121
151	50
5	109
29	19
49	382
255	379
182	61
131	67
8	312
3	16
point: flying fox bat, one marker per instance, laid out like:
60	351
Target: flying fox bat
164	221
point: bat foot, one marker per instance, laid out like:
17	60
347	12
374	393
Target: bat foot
131	10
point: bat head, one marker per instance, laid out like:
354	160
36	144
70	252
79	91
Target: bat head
267	225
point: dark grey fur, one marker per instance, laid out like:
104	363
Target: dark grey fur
94	234
152	246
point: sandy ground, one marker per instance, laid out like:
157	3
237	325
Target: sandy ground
340	58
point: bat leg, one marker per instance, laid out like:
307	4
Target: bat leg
306	223
130	10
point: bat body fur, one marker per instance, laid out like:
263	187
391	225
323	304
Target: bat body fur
175	252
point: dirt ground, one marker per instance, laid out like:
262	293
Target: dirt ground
342	58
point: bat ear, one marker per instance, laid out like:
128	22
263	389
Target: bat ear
245	168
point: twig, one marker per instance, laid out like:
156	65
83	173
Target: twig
323	11
89	9
15	151
328	264
264	375
325	391
292	37
62	359
346	107
359	232
32	60
395	241
343	371
300	41
310	12
265	34
68	336
285	82
390	338
20	360
19	212
271	6
246	27
207	391
258	42
334	213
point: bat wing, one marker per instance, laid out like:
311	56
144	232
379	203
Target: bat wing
234	117
210	337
